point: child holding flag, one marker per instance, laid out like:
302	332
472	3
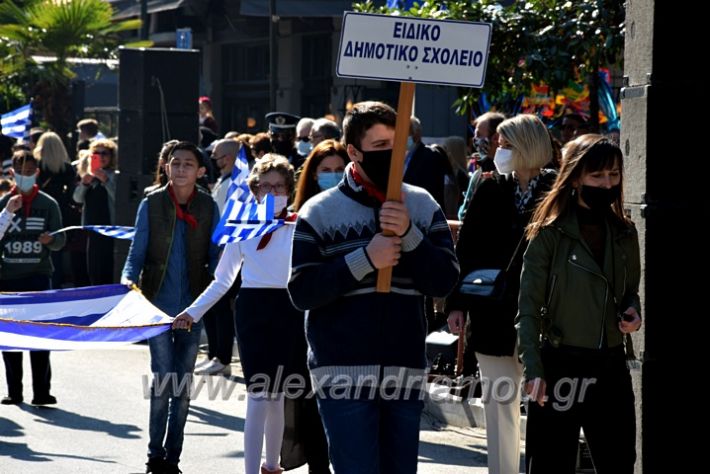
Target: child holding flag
268	326
173	255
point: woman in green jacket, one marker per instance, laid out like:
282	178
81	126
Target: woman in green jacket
578	298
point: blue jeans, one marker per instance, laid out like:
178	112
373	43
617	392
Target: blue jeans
172	361
372	436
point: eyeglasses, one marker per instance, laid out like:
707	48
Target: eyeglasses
266	188
103	153
316	136
216	158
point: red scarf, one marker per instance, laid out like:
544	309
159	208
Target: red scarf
183	215
266	238
369	188
26	198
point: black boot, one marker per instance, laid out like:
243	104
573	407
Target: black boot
172	468
156	466
11	400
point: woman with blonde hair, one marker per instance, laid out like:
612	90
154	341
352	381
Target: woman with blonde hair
492	237
97	193
58	179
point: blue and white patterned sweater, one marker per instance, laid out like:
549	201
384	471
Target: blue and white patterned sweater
354	332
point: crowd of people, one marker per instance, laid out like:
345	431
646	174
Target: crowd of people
302	300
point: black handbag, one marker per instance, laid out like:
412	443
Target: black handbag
488	283
484	283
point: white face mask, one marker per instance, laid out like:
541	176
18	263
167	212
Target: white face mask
280	203
504	160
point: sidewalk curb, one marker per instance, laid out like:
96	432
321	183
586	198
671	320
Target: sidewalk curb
453	410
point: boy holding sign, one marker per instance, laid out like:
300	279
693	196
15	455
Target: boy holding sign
366	349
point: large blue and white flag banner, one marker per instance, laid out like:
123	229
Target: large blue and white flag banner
94	317
17	124
115	231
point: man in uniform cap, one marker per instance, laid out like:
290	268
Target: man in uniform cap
282	133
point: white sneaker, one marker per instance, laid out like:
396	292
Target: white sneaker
215	367
202	364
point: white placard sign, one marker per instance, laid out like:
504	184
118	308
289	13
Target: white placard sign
406	49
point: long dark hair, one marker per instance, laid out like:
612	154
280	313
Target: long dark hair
307	186
585	154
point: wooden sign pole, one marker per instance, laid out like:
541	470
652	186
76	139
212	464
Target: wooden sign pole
394	185
459	352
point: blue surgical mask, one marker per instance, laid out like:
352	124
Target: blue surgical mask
304	148
410	143
25	183
329	179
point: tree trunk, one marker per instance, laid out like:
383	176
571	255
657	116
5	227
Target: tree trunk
53	107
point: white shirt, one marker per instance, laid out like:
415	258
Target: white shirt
6	218
219	192
266	268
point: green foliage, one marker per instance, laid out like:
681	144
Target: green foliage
60	29
535	40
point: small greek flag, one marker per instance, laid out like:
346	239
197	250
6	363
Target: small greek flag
238	193
240	173
115	231
92	317
250	220
17	124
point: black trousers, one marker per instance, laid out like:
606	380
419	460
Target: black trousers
219	326
589	389
99	258
41	369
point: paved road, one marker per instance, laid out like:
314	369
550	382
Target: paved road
101	422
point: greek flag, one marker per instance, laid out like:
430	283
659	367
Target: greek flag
238	188
93	317
249	220
238	193
115	231
17	124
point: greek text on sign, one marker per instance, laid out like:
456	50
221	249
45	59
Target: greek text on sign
405	49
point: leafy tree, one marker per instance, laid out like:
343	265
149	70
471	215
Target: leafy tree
59	29
553	41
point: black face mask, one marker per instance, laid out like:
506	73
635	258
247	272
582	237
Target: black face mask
282	147
483	146
599	199
376	165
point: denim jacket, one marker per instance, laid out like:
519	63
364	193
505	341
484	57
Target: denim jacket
174	294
